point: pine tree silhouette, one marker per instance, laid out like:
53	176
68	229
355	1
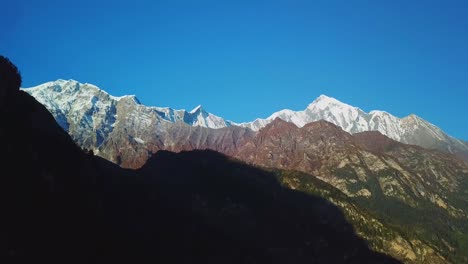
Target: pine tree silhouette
10	79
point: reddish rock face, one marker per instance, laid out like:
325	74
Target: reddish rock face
359	165
376	142
283	145
133	152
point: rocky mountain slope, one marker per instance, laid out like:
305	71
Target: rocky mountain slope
89	115
402	184
322	149
404	199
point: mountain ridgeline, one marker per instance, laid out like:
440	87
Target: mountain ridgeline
90	115
288	186
63	205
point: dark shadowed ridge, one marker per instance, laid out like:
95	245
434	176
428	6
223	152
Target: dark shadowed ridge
60	204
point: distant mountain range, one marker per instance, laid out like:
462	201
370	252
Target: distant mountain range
63	205
89	115
406	200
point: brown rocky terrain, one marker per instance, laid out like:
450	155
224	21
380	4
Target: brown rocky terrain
326	151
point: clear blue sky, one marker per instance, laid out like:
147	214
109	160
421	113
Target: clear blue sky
247	59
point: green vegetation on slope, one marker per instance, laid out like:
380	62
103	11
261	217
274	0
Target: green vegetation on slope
383	220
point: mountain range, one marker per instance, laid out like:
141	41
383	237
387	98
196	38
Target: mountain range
89	115
62	205
406	200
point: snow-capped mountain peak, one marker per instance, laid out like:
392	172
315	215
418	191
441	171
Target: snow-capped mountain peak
200	117
411	129
324	107
324	101
199	108
90	114
131	98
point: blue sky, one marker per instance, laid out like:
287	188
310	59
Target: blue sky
247	59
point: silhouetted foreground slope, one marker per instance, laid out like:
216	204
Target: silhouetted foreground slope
63	205
51	192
